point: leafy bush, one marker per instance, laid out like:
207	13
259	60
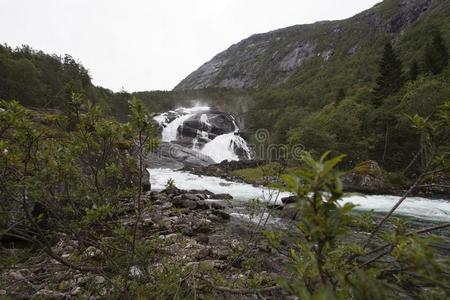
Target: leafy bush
323	265
76	180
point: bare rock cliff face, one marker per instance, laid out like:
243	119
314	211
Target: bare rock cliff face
270	59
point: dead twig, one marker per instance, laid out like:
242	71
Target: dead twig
242	291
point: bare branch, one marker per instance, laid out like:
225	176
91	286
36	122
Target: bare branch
242	291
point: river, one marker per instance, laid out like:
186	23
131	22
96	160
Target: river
213	136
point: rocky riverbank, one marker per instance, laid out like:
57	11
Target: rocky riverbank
366	178
193	230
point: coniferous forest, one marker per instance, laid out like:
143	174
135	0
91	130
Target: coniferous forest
319	175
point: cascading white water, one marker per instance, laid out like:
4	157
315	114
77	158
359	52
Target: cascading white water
222	147
170	129
170	132
422	208
204	119
188	181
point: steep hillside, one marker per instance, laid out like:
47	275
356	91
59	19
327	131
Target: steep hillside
44	81
340	51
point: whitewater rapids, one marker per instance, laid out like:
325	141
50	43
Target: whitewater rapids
422	208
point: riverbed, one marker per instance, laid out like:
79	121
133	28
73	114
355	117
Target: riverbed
436	210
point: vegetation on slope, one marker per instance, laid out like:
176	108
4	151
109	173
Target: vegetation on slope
366	123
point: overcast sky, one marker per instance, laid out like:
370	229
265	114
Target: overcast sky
146	44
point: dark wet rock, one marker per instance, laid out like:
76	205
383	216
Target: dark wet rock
366	177
217	123
202	204
275	206
181	202
169	116
223	215
204	192
217	205
190	196
221	196
175	156
290	199
198	128
185	142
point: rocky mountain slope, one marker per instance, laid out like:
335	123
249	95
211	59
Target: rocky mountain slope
288	55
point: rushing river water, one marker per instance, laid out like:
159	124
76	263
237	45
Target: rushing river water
422	208
216	134
219	146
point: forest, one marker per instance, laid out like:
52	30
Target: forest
89	210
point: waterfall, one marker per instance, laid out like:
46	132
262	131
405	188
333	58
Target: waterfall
221	147
170	128
204	139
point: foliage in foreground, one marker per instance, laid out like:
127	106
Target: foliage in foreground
74	175
78	174
327	265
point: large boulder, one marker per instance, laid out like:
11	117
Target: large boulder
170	155
366	177
213	123
290	211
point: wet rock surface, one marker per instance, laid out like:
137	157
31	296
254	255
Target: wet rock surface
366	177
194	230
202	132
171	155
213	123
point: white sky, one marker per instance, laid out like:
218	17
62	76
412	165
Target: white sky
148	45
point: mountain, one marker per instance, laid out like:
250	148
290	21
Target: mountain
300	54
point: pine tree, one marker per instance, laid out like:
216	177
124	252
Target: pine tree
414	70
390	79
436	55
340	95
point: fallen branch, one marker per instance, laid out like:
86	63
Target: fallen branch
434	185
425	230
242	291
374	259
389	214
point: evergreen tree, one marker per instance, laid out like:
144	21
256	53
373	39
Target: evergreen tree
340	95
390	79
414	70
436	55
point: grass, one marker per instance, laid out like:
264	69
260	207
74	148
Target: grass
259	174
365	168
